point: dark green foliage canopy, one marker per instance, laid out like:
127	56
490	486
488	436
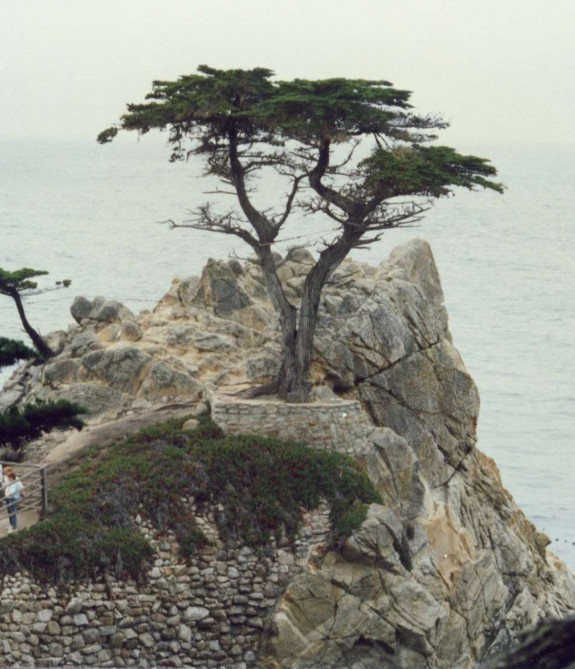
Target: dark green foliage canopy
206	105
18	426
424	170
260	486
339	109
13	351
205	109
19	280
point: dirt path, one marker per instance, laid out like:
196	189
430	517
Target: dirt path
59	451
73	442
25	519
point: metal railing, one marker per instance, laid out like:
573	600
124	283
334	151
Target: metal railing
33	478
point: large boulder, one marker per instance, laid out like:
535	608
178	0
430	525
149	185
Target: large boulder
219	289
122	368
99	309
164	380
95	398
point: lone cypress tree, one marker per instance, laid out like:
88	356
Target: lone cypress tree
350	150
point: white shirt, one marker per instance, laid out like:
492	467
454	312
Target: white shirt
14	489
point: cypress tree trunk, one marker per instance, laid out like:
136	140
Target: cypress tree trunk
43	348
286	313
293	383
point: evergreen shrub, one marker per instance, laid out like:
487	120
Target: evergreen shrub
260	485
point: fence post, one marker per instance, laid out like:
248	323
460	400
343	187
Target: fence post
44	490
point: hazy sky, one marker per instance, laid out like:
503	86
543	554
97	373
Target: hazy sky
496	69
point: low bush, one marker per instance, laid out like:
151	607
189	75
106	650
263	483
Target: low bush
13	351
260	485
20	425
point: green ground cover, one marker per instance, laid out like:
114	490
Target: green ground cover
260	485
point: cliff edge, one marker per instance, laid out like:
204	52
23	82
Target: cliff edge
448	569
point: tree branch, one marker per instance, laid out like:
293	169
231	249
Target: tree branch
290	200
315	179
264	230
227	224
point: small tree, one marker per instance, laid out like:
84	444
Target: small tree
19	425
350	150
12	351
13	284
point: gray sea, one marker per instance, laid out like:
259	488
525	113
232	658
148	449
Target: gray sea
93	214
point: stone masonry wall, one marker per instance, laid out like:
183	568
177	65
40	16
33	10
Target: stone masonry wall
207	612
338	425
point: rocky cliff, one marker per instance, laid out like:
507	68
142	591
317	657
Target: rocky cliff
448	569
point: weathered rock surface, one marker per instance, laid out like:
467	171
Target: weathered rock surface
448	570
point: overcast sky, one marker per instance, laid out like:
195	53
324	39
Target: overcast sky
496	69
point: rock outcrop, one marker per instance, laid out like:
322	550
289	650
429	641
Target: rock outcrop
448	570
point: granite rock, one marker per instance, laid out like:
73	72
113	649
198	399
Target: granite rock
447	570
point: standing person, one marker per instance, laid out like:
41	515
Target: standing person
13	490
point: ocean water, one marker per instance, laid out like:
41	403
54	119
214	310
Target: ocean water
93	214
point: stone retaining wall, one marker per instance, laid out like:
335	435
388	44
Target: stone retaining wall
338	425
208	612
